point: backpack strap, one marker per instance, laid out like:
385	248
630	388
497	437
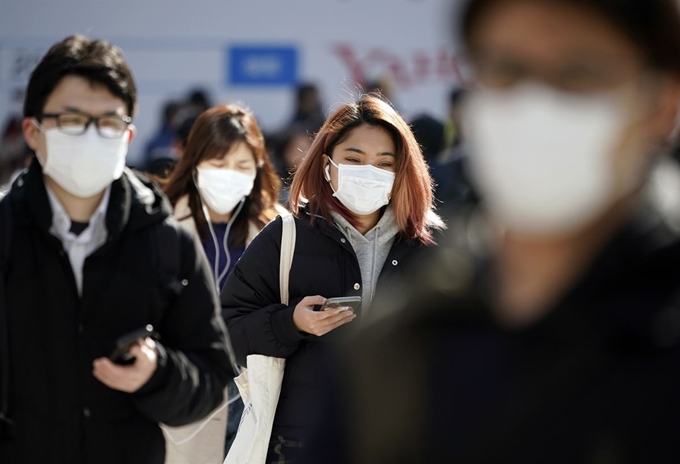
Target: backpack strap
287	251
5	246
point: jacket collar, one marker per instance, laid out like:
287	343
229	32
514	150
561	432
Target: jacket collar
334	231
134	202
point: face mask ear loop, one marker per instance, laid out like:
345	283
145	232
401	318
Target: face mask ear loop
226	245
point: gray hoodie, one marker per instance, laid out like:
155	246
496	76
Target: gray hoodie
371	249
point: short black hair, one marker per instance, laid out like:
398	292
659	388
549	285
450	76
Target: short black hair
653	25
98	61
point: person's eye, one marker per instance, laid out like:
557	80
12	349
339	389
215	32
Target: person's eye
72	119
352	160
499	73
386	164
582	78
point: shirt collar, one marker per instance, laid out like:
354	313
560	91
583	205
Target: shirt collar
61	222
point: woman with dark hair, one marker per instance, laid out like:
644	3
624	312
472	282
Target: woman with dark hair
362	198
563	345
223	190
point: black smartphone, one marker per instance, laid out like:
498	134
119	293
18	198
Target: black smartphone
121	354
345	303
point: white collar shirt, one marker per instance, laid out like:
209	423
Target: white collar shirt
79	247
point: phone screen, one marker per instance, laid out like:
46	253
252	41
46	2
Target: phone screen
344	303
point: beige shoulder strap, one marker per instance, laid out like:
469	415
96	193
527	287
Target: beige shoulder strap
287	251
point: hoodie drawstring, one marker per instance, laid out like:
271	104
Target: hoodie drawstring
374	279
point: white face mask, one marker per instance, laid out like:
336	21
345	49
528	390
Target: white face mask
543	159
223	189
363	189
83	165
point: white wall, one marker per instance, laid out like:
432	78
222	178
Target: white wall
173	46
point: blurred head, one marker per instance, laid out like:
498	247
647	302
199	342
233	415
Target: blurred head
225	148
79	104
170	110
368	132
572	100
308	100
199	99
295	148
429	133
182	132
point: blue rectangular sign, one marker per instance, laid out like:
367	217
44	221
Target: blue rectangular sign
263	65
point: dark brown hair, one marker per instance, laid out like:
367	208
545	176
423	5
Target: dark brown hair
412	192
97	61
652	25
216	132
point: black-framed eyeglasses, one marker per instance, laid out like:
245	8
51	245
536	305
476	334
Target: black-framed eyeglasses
110	126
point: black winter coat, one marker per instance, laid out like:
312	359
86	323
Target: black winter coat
61	413
595	380
324	264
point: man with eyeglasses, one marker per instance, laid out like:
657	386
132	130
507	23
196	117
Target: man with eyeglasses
89	253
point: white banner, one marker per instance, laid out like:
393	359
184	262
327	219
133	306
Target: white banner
250	51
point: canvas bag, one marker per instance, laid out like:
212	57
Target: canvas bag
260	383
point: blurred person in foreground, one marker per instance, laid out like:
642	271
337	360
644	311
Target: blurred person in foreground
560	342
224	190
90	252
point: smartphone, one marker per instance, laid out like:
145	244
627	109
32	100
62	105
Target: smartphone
121	354
345	303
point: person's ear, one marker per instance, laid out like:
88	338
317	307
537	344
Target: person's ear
31	133
663	120
133	131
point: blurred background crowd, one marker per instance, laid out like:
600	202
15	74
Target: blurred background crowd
288	63
440	138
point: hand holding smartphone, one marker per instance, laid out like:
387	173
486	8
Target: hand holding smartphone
121	354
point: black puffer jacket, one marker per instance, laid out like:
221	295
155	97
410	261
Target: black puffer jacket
62	414
324	264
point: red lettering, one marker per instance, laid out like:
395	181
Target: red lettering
443	64
421	64
393	63
347	56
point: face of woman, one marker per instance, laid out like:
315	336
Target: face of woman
239	159
365	145
564	107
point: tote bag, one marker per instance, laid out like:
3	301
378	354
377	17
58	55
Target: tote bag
260	383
